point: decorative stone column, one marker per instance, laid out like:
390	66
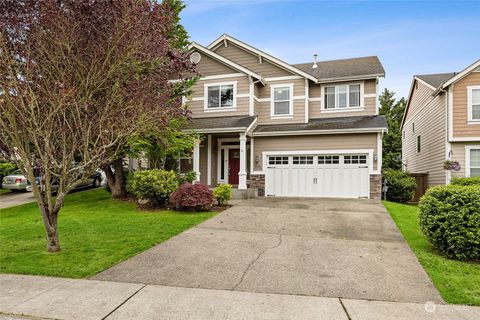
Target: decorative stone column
242	175
196	159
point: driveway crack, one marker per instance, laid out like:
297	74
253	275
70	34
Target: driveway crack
256	259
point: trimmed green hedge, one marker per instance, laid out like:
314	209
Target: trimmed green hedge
472	181
155	185
400	185
450	220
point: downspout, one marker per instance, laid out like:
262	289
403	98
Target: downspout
448	147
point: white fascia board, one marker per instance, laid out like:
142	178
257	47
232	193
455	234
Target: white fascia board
251	125
462	74
312	132
428	85
228	62
217	130
262	54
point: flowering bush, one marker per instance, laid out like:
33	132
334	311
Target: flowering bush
192	197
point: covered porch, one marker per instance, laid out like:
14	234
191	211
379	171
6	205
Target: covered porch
223	153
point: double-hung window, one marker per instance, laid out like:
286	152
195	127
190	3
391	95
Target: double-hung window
282	102
473	161
342	96
474	103
220	96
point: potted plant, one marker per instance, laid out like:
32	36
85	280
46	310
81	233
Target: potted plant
451	165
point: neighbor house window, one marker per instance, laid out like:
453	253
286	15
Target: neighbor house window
474	103
220	96
474	163
282	100
419	148
342	96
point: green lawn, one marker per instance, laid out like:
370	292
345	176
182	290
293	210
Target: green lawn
4	191
458	282
95	232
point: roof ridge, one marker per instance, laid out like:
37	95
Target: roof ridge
333	60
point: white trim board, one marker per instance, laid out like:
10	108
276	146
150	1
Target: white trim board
313	132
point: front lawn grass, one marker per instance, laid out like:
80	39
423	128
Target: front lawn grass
458	282
95	233
4	191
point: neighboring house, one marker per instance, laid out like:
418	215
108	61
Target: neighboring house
306	130
442	122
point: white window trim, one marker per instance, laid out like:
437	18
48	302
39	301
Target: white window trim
347	109
272	101
205	96
467	158
470	104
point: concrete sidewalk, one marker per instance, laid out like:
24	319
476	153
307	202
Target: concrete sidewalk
27	297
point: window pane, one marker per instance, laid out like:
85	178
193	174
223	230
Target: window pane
475	172
476	96
354	95
476	112
282	107
342	96
475	158
213	95
227	96
282	93
329	97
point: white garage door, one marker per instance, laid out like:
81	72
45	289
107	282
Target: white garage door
345	176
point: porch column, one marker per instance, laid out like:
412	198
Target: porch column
196	159
242	175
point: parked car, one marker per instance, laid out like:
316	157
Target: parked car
94	181
15	181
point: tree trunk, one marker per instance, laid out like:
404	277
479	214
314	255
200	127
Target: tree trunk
53	244
116	179
50	223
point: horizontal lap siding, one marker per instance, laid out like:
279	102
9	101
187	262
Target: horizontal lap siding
430	124
316	93
422	94
461	128
197	106
210	67
313	142
459	154
250	61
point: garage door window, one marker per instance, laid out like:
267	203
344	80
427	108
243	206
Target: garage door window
355	159
277	160
303	160
328	159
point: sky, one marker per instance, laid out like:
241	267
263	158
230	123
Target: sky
409	37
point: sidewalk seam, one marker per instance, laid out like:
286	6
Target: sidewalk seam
121	304
344	309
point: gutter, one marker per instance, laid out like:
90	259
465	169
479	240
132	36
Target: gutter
316	132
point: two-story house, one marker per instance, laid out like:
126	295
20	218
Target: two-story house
442	122
305	130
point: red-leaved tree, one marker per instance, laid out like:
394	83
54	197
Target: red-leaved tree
77	79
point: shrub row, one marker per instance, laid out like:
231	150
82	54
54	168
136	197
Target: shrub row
400	185
159	187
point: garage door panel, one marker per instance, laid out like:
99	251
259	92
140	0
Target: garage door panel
327	176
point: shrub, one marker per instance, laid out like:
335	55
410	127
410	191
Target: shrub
472	181
192	197
223	194
155	185
450	220
187	177
400	185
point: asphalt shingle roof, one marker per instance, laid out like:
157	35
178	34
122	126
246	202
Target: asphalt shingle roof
344	68
338	123
220	122
435	80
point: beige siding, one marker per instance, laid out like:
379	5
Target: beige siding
461	128
250	61
264	107
459	154
313	142
430	124
196	106
315	108
420	96
211	67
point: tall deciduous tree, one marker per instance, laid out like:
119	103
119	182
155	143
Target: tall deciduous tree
393	110
78	78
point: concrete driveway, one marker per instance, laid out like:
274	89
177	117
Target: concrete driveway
12	199
314	247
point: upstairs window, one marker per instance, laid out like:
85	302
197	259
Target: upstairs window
342	97
282	100
474	103
220	96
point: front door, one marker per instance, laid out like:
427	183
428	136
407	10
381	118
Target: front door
233	165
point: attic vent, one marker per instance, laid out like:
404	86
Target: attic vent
315	66
195	57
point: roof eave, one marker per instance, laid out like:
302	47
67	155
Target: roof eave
361	77
312	132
